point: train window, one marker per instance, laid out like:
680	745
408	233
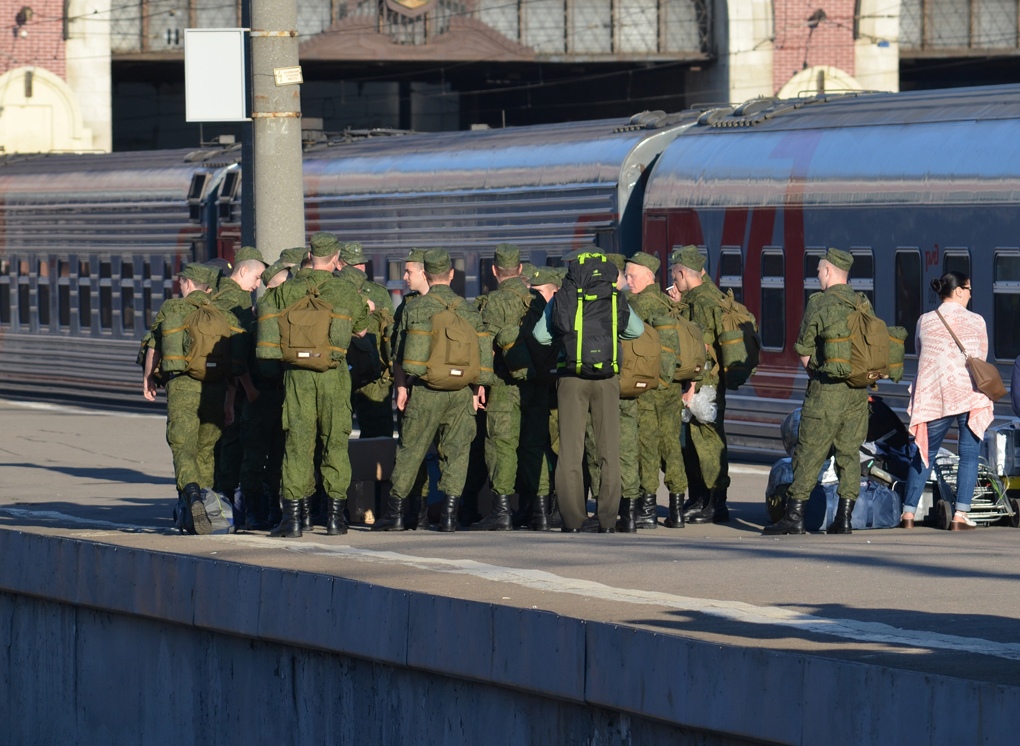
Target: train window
862	273
956	260
908	293
395	271
553	261
84	295
5	291
105	296
773	300
64	293
731	271
24	299
1006	305
458	276
811	284
42	292
127	296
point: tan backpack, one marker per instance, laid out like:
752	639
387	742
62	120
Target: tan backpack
857	350
739	343
691	353
199	346
454	357
304	333
640	364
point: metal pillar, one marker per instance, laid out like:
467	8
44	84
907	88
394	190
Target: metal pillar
276	119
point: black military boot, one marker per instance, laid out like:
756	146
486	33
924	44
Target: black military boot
676	513
721	514
539	518
306	514
393	519
841	523
707	512
628	516
199	518
695	505
290	524
499	519
448	515
555	519
274	513
521	518
791	523
336	523
422	522
646	517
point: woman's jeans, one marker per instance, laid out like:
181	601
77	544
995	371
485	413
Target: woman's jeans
966	477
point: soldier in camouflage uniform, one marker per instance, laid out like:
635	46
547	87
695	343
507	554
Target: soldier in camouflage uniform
316	404
706	446
233	293
262	423
659	411
196	411
834	416
373	402
429	413
504	308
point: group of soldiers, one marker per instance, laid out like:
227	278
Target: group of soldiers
272	434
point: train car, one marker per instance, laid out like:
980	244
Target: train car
548	189
89	245
912	184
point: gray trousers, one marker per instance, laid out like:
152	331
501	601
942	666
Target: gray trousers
577	397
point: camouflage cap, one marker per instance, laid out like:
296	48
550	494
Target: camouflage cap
272	271
437	261
353	275
645	260
200	273
688	257
351	253
545	276
247	253
290	257
526	269
840	259
416	255
508	256
324	244
618	259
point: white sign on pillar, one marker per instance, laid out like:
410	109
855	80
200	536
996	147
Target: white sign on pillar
214	79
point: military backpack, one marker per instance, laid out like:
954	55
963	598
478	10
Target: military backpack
200	346
454	357
380	328
739	343
687	342
305	333
857	350
641	363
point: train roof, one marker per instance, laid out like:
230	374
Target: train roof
957	145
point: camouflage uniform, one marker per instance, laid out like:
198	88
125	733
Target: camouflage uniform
834	416
317	404
430	414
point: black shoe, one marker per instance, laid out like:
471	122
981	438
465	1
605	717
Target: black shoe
393	519
590	526
695	505
290	524
421	522
721	514
676	513
791	523
336	523
539	518
841	523
707	512
646	517
555	519
499	519
306	514
199	518
628	516
448	515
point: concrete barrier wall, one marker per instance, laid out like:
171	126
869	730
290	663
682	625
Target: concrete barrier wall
113	645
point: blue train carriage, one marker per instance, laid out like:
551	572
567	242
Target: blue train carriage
913	184
89	245
549	189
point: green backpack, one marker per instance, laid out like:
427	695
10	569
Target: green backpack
454	358
305	333
897	339
690	353
200	346
739	343
857	350
640	363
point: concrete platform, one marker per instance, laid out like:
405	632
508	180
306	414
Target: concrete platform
710	628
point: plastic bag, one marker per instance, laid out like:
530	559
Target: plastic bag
702	407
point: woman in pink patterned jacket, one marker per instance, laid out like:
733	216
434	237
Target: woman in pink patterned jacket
943	393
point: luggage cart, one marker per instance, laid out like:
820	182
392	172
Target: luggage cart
990	504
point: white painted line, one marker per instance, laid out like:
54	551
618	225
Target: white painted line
749	469
70	409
